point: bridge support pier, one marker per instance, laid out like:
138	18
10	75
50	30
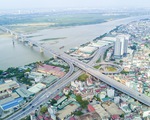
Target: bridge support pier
16	36
41	50
22	39
11	33
54	56
31	45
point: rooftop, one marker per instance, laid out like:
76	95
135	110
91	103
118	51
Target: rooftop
11	104
8	85
23	92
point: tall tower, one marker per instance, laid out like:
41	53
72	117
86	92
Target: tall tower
121	46
125	47
117	50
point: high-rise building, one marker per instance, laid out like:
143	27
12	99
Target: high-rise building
121	46
117	50
125	47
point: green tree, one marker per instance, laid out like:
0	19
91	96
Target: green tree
78	113
83	103
1	71
83	77
43	109
53	101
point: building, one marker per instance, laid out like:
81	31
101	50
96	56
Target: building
36	76
117	49
8	86
90	116
66	112
121	46
101	111
90	108
37	88
32	116
117	100
112	108
110	92
12	104
125	47
124	106
115	117
24	92
51	70
52	113
102	94
146	113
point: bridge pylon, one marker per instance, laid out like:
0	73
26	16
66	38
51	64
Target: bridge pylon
41	50
31	45
54	56
11	33
16	36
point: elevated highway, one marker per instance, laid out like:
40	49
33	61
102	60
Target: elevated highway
49	92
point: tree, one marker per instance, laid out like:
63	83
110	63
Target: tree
83	103
1	71
53	101
43	109
122	115
121	61
78	113
83	77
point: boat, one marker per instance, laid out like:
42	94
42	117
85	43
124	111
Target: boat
61	47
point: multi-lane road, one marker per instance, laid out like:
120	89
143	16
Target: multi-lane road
113	83
52	90
55	88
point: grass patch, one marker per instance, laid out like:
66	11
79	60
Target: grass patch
97	66
48	39
99	60
111	69
83	77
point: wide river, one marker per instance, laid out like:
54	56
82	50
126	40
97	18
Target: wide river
19	54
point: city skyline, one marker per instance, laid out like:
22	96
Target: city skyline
25	4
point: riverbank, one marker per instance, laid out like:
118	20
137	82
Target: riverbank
19	55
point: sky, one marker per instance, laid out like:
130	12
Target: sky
15	4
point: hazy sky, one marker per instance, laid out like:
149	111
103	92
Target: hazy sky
11	4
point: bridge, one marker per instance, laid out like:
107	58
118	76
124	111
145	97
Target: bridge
85	67
140	97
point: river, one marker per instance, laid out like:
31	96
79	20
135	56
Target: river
19	54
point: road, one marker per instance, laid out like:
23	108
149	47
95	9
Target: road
54	89
113	83
63	82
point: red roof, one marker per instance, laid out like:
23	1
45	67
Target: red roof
98	90
115	117
51	70
57	97
72	118
40	117
91	108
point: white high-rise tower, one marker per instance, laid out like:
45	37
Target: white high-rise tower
121	46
